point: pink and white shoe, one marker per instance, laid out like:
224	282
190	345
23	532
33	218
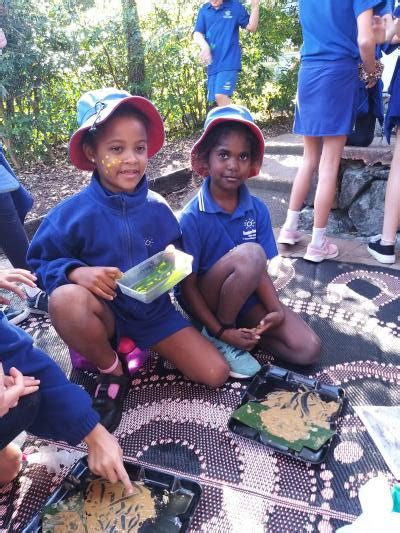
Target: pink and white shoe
288	236
316	254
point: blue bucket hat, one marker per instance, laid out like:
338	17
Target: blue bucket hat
228	113
95	107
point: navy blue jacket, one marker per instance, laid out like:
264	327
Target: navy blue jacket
96	227
65	411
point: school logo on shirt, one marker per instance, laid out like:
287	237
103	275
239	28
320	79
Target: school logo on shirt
249	229
148	241
227	14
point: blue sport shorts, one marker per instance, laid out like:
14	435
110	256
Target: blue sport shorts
221	83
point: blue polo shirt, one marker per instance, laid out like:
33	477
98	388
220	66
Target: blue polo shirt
209	232
330	27
220	28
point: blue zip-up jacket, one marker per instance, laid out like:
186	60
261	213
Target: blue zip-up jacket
96	227
65	411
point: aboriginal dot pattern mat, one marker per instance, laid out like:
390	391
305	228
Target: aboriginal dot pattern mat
180	426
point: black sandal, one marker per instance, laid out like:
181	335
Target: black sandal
110	409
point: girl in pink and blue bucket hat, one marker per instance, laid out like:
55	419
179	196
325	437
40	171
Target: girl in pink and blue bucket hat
229	234
87	241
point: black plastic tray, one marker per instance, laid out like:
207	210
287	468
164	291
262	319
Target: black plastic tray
156	480
269	379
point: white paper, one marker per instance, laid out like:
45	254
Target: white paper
383	425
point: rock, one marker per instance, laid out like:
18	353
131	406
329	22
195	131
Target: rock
354	182
338	221
366	212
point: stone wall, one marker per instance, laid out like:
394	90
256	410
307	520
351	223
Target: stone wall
360	197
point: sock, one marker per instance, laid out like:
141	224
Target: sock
31	291
292	219
318	237
386	242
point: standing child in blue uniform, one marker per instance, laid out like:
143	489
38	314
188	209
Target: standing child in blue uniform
217	33
87	241
228	231
335	35
382	246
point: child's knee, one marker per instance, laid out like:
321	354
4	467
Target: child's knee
310	352
67	297
217	375
250	257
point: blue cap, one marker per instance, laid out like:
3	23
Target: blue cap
228	113
95	107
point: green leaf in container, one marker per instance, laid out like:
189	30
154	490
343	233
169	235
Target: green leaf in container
293	419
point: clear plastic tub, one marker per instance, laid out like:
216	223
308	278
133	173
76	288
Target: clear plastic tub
155	276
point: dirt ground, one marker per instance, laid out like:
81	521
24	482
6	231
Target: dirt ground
51	184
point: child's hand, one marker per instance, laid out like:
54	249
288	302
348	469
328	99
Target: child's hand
101	281
105	457
270	321
8	279
243	338
396	25
205	55
379	29
14	386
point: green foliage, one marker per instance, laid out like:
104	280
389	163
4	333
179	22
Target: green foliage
57	49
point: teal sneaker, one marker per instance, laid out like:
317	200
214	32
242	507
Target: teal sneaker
241	363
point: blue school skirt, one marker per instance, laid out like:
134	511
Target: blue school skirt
392	117
327	98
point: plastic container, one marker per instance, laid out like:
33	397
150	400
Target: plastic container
183	496
271	379
155	276
127	350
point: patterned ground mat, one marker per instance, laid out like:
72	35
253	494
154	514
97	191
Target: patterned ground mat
180	426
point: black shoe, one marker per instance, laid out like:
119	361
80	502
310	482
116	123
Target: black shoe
384	253
38	304
15	316
110	409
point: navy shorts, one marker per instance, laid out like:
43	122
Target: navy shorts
148	332
19	418
327	98
221	83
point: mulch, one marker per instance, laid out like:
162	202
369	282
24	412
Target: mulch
181	427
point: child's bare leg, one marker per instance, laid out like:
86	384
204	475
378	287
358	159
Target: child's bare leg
10	463
392	197
85	323
194	356
232	279
307	168
327	177
293	340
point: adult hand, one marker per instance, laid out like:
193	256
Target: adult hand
105	457
3	40
101	281
270	321
10	276
242	338
14	386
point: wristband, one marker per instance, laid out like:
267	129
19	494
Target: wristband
367	77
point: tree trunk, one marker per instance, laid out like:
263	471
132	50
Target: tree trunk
135	48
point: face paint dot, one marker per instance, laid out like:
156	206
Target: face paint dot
102	161
107	156
108	165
